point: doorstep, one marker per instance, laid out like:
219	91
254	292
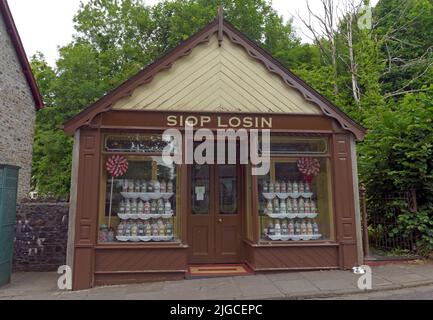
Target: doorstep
204	271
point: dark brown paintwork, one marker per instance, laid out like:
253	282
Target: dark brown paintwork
134	263
119	263
87	208
147	120
295	256
344	207
97	264
216	237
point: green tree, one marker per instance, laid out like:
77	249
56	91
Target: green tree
407	31
397	155
114	40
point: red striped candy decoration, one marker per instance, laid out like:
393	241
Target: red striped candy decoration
309	166
117	166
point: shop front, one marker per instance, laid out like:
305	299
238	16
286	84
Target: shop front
284	203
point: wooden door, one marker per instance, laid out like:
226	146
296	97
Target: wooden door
214	217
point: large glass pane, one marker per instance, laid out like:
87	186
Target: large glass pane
200	177
135	143
228	189
295	200
143	203
281	145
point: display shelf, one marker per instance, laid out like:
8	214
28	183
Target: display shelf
300	215
288	212
300	237
285	195
144	238
147	196
144	217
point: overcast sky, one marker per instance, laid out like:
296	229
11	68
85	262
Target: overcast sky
46	24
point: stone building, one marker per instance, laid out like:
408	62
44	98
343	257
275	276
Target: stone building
19	101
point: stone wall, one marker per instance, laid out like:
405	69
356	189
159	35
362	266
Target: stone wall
17	113
41	236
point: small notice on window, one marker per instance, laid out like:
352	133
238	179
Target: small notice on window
200	192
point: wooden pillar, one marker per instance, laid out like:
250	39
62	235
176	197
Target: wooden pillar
362	194
87	209
344	206
184	202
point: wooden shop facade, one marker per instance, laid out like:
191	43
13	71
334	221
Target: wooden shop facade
134	217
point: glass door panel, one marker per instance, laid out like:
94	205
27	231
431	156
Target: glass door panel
228	196
200	192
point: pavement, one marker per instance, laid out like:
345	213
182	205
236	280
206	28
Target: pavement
391	281
412	293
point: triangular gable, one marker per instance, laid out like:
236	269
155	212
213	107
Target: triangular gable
155	87
217	78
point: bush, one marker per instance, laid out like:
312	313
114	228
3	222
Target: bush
397	155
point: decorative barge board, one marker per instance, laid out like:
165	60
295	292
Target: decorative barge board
138	218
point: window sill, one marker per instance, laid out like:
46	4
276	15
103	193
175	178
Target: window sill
155	245
311	243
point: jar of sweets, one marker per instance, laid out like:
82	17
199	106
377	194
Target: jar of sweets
156	186
283	187
163	186
265	187
295	187
170	186
271	187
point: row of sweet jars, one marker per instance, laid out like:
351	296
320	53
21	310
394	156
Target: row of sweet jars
290	205
291	227
286	187
131	185
146	228
133	206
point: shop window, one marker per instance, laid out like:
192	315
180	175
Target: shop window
144	202
281	145
135	143
295	197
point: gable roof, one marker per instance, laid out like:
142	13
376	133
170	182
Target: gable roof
218	77
22	57
221	27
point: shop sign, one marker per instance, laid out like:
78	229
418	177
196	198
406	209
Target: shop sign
246	122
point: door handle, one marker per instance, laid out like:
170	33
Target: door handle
220	220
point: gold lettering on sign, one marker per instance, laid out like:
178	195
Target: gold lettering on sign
220	124
232	122
267	122
171	121
235	122
204	120
248	122
192	121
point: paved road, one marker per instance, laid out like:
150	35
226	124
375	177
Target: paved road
417	293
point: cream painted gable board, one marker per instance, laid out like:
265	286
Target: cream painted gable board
222	79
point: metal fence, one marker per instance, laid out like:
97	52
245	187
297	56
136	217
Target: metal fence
380	221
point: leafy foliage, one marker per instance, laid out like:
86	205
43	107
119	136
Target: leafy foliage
392	65
397	155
